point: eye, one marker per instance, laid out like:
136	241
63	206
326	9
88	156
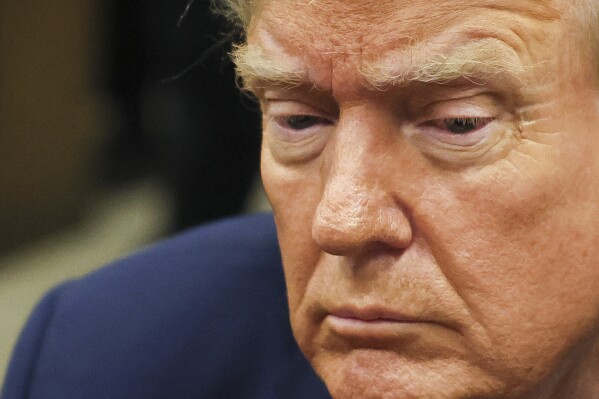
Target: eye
461	125
301	122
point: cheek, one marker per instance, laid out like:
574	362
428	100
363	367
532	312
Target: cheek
294	194
519	248
536	230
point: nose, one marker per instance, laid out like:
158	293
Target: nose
359	207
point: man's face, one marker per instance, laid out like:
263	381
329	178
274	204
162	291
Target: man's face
433	173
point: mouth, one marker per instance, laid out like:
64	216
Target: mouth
377	324
373	315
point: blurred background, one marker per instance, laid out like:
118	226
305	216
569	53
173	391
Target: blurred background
120	124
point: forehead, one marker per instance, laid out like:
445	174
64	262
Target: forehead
330	22
337	35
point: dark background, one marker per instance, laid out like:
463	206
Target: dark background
98	94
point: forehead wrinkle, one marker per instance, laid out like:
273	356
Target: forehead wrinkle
542	10
257	69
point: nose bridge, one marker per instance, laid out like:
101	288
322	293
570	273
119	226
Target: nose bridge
359	145
351	176
350	163
357	206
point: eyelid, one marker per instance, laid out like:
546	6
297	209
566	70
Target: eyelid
460	110
276	102
277	109
432	96
289	145
435	137
314	99
479	105
284	122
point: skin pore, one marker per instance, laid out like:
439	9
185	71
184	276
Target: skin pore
433	174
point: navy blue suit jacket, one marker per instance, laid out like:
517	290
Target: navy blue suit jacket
203	315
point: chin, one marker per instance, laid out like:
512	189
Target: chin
382	374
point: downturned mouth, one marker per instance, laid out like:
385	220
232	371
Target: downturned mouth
376	324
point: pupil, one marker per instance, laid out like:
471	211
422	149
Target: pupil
461	125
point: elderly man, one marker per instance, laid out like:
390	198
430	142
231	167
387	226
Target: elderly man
433	174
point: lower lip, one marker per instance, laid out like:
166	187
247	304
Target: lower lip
375	329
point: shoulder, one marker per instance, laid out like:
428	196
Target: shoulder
200	315
229	254
206	269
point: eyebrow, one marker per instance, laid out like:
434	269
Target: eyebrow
257	70
475	60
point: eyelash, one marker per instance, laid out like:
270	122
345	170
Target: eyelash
464	125
303	121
